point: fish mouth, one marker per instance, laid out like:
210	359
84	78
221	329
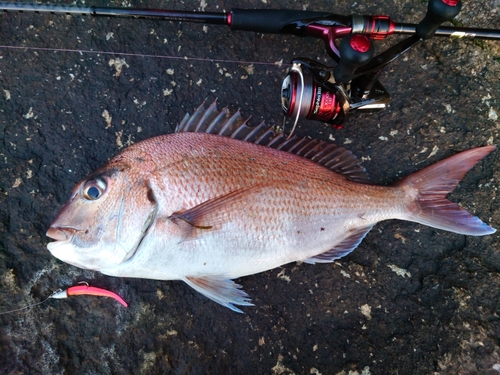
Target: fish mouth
61	235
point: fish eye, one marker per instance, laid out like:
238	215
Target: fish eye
93	189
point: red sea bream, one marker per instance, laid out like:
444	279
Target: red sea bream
218	200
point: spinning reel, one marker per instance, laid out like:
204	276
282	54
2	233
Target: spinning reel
313	90
328	94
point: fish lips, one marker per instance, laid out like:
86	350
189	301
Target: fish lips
62	248
62	236
58	234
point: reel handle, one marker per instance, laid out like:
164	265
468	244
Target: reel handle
355	50
438	11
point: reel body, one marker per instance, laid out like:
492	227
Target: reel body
327	94
309	91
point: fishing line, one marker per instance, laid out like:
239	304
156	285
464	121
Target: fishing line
130	54
33	304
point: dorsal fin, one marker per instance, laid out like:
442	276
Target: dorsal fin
210	120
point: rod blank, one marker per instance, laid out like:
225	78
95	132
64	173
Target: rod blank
239	16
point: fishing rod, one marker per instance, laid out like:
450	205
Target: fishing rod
311	89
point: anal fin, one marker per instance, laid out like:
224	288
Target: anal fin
343	248
221	290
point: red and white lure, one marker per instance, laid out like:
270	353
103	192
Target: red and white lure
77	290
87	290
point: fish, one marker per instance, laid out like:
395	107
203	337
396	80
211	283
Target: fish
219	199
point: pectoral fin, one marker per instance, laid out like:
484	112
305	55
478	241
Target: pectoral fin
221	290
214	212
342	249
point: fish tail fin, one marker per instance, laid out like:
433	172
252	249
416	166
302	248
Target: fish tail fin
432	184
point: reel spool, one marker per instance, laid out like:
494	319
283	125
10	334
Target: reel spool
301	96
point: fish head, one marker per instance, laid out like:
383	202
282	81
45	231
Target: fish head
103	222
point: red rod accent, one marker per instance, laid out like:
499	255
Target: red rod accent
360	43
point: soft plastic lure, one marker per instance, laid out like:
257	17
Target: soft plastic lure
88	290
77	290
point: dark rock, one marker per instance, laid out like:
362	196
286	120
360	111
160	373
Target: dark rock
409	300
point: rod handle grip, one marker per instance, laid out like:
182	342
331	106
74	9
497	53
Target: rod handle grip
438	11
275	21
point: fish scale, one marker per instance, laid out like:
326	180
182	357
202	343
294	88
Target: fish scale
218	200
195	173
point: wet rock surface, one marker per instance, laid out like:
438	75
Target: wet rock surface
410	299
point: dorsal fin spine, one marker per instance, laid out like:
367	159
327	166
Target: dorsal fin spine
194	120
226	129
254	132
299	146
216	121
267	133
317	150
207	117
327	155
242	128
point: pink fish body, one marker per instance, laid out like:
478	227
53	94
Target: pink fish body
205	208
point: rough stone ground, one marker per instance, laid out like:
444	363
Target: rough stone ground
409	300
